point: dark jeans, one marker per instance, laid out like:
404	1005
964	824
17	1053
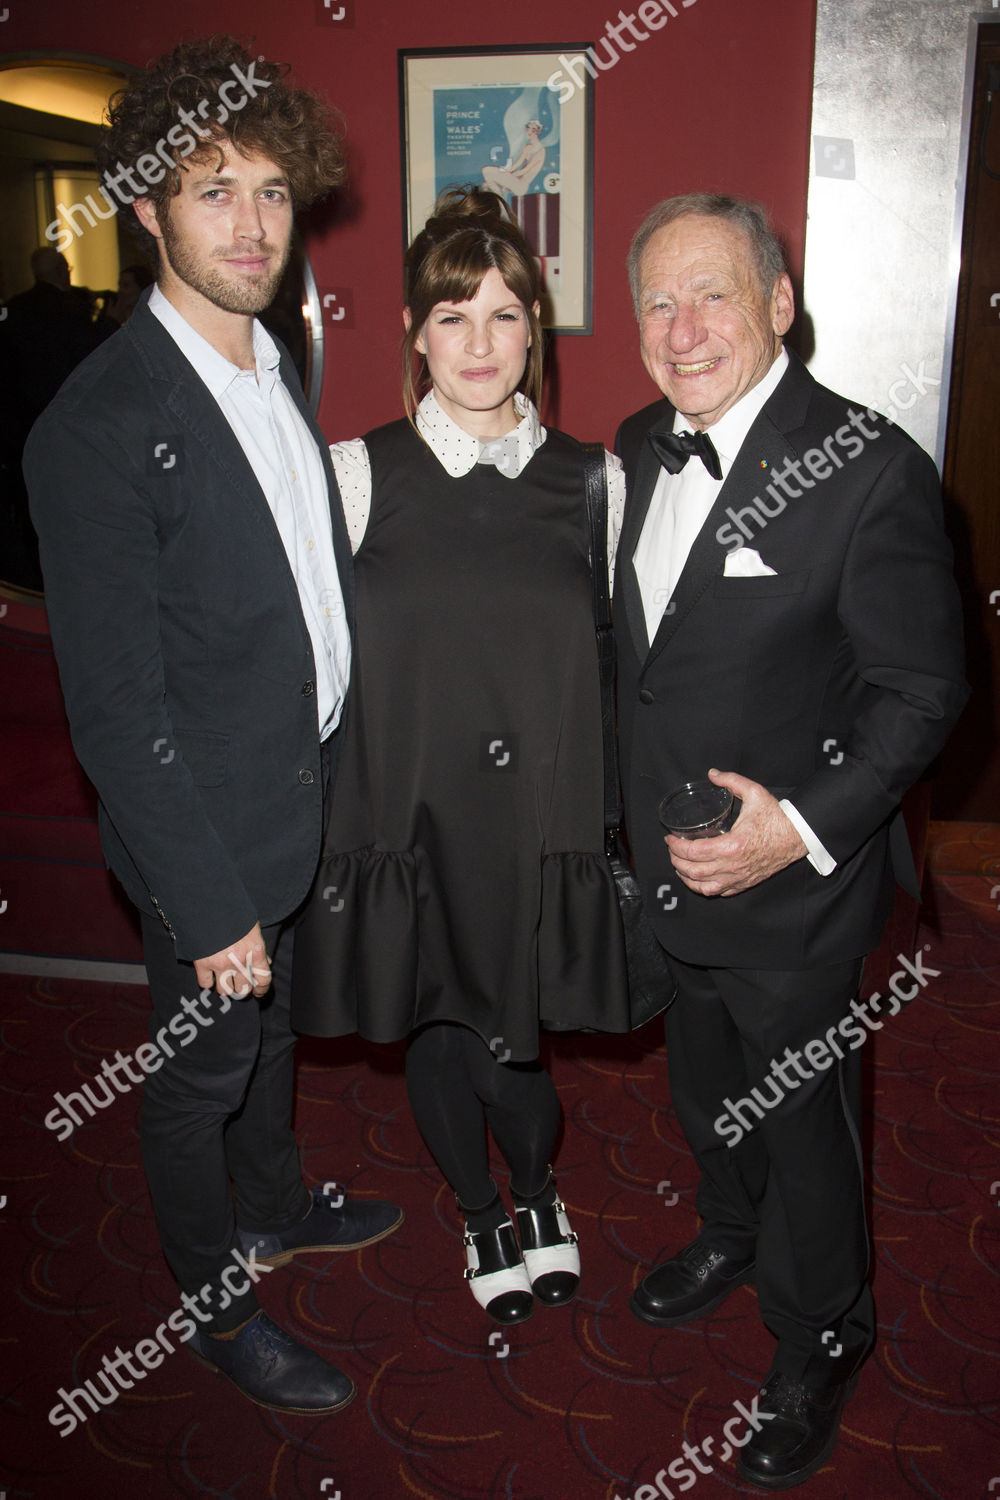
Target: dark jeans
217	1140
790	1189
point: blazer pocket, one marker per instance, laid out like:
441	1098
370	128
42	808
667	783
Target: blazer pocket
769	586
205	754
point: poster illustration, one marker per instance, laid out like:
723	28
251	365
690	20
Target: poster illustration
492	120
506	139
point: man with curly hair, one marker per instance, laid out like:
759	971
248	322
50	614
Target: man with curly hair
198	584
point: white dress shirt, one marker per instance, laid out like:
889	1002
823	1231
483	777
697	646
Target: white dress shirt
283	455
680	503
678	509
458	452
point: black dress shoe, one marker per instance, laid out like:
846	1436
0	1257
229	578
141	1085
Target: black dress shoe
329	1225
798	1432
689	1286
274	1369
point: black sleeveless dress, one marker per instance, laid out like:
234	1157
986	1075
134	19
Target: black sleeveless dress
463	876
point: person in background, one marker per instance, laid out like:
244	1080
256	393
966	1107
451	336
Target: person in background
465	898
132	282
44	334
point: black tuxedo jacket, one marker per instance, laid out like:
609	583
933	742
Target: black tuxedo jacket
833	683
184	656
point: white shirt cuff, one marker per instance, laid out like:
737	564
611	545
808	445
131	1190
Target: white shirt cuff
821	859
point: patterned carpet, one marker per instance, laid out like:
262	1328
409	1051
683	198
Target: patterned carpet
581	1402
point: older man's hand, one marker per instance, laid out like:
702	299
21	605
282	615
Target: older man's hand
761	842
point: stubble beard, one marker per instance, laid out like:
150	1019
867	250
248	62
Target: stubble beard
247	296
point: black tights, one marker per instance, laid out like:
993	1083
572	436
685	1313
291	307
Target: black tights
451	1077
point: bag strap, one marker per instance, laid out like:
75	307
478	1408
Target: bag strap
596	485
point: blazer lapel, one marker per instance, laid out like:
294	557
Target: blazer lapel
202	421
201	424
764	448
199	418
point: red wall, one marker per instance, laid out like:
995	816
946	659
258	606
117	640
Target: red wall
719	99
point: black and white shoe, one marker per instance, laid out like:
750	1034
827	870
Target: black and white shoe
550	1252
497	1275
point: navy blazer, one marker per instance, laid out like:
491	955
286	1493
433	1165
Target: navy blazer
833	682
185	661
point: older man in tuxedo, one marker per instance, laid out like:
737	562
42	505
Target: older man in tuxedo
199	587
787	623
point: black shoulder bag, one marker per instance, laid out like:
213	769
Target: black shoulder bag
651	984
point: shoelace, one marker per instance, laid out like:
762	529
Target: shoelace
267	1343
788	1398
704	1260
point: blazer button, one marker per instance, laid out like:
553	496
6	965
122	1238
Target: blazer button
645	696
306	778
308	688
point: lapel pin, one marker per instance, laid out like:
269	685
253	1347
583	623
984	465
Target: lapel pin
763	463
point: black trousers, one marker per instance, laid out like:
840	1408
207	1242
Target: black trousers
217	1140
781	1170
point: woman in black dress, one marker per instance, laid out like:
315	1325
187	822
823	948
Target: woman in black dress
464	898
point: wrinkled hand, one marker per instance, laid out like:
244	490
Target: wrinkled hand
228	970
761	842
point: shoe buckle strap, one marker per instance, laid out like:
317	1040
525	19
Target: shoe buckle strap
506	1246
533	1233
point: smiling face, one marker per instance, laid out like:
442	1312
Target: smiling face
225	238
708	331
476	352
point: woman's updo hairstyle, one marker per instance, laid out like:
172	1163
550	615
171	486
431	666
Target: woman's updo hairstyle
470	232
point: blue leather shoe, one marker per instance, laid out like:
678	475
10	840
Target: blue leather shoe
329	1225
274	1369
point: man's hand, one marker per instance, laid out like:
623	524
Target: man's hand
761	842
230	970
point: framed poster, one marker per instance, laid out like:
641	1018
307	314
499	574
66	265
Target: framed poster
517	120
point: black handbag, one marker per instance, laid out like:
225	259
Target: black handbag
652	987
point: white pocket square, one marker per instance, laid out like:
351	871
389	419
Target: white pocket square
744	562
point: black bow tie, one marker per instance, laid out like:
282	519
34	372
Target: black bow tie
673	449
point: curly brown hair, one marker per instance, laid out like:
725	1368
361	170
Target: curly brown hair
470	232
205	92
